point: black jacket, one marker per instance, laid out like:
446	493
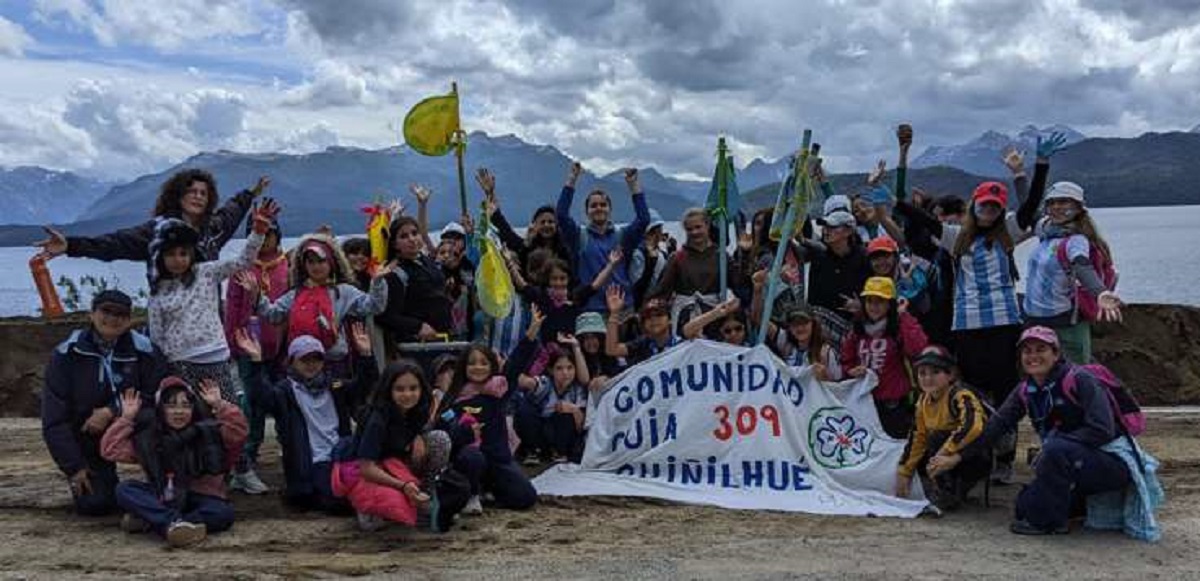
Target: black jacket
291	429
76	385
416	295
833	276
134	243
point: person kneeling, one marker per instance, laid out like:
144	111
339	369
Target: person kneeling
185	454
949	418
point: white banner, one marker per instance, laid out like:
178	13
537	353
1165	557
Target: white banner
710	423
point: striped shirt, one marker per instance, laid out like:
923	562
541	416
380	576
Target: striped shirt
1049	288
985	293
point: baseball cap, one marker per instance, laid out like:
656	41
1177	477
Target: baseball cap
304	345
1065	191
882	244
112	298
1039	333
453	230
656	221
838	218
879	286
991	192
316	248
800	312
936	356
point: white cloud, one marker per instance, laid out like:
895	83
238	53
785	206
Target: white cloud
170	26
13	38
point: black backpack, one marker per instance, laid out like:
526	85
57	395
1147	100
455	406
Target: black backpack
449	491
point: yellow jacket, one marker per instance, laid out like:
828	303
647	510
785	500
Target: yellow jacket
958	412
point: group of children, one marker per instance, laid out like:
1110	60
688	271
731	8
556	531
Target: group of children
313	337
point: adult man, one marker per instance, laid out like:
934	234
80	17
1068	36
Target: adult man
84	381
592	245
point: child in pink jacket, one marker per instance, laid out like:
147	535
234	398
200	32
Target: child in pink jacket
883	340
185	445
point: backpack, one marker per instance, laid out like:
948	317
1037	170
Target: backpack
1126	411
312	314
1085	302
449	491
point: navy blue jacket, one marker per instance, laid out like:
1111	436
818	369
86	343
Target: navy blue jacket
494	434
1087	418
79	379
291	429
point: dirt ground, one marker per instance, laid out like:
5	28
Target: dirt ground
594	538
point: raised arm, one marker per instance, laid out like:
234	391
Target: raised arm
615	300
695	327
904	135
224	222
422	194
634	231
562	211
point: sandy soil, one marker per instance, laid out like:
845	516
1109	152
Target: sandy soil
593	538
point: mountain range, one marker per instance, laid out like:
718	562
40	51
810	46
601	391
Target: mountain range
329	187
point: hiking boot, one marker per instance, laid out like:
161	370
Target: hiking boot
1023	527
185	534
474	506
1002	474
133	524
248	482
368	523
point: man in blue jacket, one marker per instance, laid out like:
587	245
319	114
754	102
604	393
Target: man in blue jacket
84	381
592	244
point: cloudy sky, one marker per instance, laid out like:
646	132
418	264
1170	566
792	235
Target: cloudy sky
116	88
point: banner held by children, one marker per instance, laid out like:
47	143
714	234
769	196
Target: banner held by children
710	423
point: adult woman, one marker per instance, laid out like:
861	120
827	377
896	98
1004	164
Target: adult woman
542	232
417	305
1067	240
189	195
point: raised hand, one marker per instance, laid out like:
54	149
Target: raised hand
568	339
131	403
487	181
210	392
264	214
396	208
536	318
421	193
631	179
759	278
904	135
615	255
573	173
1015	160
614	298
876	174
54	245
1046	148
248	344
468	224
731	305
247	280
263	183
360	339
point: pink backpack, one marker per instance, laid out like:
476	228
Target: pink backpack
1126	411
1086	302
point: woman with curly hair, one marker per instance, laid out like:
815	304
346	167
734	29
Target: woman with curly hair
189	195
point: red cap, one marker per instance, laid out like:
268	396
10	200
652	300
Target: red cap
991	192
882	244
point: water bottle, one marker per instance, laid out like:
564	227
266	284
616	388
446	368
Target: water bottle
51	306
169	490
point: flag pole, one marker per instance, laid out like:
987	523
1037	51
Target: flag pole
799	174
460	146
723	215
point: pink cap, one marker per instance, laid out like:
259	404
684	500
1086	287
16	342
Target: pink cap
1044	334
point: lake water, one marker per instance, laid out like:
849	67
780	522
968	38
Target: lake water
1154	251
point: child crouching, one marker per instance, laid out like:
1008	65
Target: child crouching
185	454
949	417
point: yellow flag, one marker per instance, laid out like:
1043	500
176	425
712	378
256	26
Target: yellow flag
494	285
429	127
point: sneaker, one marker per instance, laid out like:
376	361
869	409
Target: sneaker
531	460
185	534
474	506
932	511
133	524
248	482
1002	474
369	523
1024	527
